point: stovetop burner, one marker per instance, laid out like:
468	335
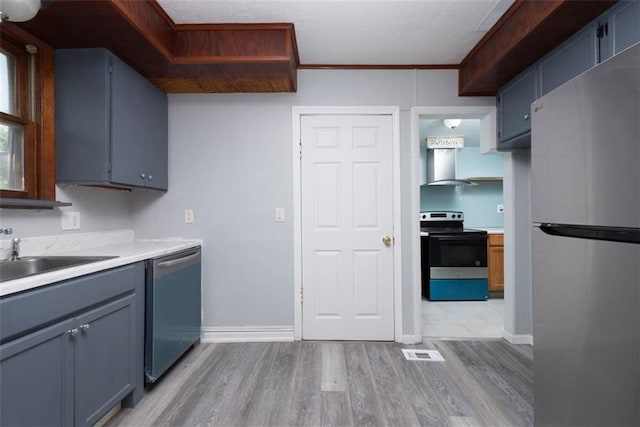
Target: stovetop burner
445	222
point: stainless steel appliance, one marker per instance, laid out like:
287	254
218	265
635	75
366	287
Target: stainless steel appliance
441	160
585	157
454	259
172	309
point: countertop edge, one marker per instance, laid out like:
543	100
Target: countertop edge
127	253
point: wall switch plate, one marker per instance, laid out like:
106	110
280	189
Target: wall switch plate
70	220
188	216
500	208
279	214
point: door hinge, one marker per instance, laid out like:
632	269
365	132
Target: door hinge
300	150
301	295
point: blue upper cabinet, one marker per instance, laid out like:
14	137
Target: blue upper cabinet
608	35
571	58
624	25
111	123
514	111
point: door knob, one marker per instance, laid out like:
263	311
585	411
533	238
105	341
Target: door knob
386	240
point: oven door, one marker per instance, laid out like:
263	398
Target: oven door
457	250
458	267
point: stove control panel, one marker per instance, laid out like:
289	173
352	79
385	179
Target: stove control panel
442	216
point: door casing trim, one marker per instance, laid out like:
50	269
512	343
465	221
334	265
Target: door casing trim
297	113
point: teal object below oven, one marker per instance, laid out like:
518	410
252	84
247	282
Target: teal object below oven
458	290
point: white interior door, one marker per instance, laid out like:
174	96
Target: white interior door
347	214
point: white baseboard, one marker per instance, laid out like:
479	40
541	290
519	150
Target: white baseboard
410	339
517	338
246	333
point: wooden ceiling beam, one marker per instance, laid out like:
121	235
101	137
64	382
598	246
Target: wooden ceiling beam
177	58
524	34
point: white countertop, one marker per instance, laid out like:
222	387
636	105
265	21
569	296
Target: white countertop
492	230
128	252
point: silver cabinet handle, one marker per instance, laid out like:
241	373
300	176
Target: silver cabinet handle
526	117
85	327
143	176
73	332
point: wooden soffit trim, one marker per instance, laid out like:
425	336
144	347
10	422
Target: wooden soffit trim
177	58
524	34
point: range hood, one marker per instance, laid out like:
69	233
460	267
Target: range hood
441	167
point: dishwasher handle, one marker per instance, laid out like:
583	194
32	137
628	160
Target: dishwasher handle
175	262
160	267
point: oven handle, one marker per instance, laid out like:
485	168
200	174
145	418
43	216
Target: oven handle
458	237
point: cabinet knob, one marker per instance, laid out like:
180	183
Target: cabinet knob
73	332
150	177
85	327
526	117
143	176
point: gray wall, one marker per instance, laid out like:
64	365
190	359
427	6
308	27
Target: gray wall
230	160
517	245
100	210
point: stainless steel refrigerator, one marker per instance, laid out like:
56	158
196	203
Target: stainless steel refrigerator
585	163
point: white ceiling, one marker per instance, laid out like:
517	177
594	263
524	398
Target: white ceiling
382	32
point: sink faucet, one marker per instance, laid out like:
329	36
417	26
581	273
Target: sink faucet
15	249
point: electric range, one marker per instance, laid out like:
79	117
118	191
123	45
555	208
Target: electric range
454	259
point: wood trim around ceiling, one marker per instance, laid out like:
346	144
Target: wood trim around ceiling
150	20
177	58
523	35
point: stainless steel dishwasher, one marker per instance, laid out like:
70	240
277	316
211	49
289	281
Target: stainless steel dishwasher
172	317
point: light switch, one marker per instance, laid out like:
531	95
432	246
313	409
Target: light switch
188	216
279	214
70	220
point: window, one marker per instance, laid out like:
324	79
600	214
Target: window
27	147
13	119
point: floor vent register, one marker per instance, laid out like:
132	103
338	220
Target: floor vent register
422	355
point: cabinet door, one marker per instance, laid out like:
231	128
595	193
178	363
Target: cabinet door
36	378
128	124
624	25
156	137
82	115
514	103
571	58
105	359
496	268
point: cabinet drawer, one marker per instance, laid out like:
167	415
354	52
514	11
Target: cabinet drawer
23	312
496	239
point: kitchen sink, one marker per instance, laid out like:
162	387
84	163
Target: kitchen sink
28	266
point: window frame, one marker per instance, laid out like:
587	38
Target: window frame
39	138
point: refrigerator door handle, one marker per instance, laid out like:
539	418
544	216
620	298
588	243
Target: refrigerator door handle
592	232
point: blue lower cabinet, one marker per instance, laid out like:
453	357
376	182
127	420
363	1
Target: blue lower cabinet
458	290
70	351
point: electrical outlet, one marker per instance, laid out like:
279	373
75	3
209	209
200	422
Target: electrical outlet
500	208
70	220
279	214
188	216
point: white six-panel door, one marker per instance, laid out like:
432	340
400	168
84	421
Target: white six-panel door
347	227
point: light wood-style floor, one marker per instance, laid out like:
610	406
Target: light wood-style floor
341	383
